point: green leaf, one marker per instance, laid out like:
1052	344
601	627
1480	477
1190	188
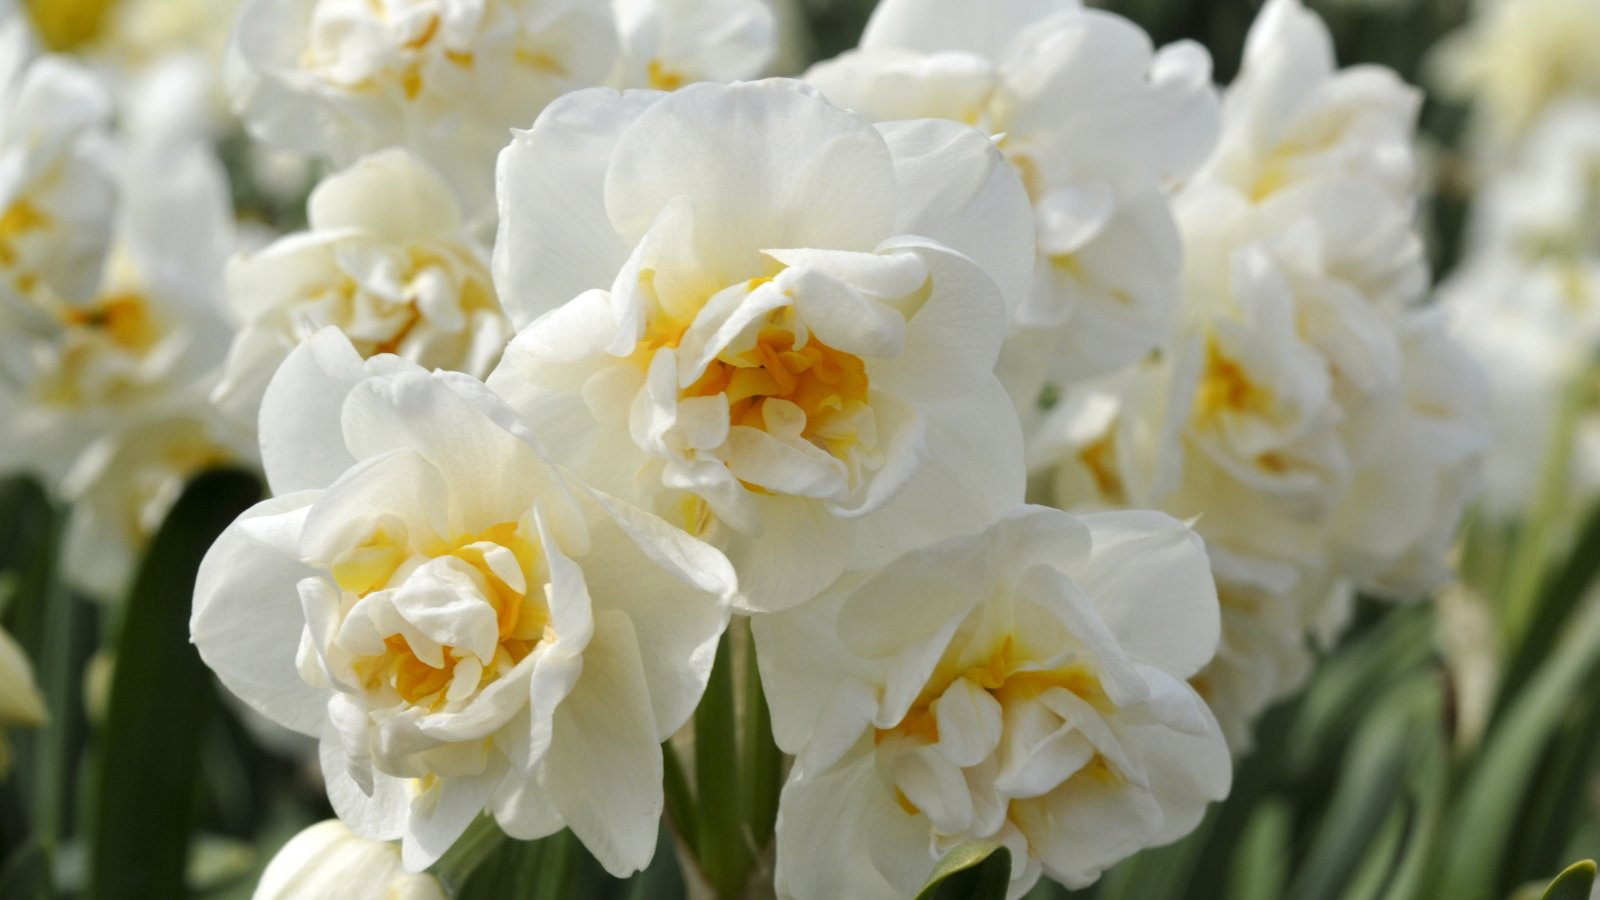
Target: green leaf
1560	595
1499	779
26	874
160	697
975	870
510	871
724	855
1367	791
1261	862
481	840
1574	883
761	763
680	801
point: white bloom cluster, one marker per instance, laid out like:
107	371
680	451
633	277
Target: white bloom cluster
1525	297
447	78
112	250
794	350
1324	428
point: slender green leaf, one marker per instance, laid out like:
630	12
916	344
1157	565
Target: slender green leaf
1367	791
160	698
510	871
680	801
1261	863
1557	600
761	764
1521	596
721	845
27	538
558	867
1574	883
1429	783
1485	816
1377	864
975	870
482	838
25	874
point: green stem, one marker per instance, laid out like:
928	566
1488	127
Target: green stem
722	849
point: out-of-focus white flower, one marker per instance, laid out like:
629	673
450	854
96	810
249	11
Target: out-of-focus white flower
388	260
56	195
107	401
1098	123
329	860
667	44
1519	322
343	78
162	57
767	320
1264	655
1526	302
1517	57
462	624
1292	115
124	482
1025	684
1417	460
1322	433
20	701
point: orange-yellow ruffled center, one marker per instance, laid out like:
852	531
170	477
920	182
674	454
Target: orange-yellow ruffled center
826	384
1225	387
521	615
1002	675
1007	680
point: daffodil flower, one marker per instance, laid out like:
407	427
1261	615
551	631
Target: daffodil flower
765	319
463	625
1025	684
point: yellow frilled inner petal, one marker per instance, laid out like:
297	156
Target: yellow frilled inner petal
821	381
521	613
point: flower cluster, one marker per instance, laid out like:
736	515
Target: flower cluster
1320	423
1034	400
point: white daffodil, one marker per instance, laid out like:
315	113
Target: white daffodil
108	401
1264	655
1026	684
1292	115
1517	58
329	860
1099	125
56	194
1417	457
1532	341
461	624
20	700
767	320
388	260
667	44
444	78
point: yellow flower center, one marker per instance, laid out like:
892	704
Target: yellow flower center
823	382
521	615
1225	387
1001	675
68	24
663	78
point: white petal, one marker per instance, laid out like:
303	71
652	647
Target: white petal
1150	576
302	445
603	771
823	176
957	189
247	621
